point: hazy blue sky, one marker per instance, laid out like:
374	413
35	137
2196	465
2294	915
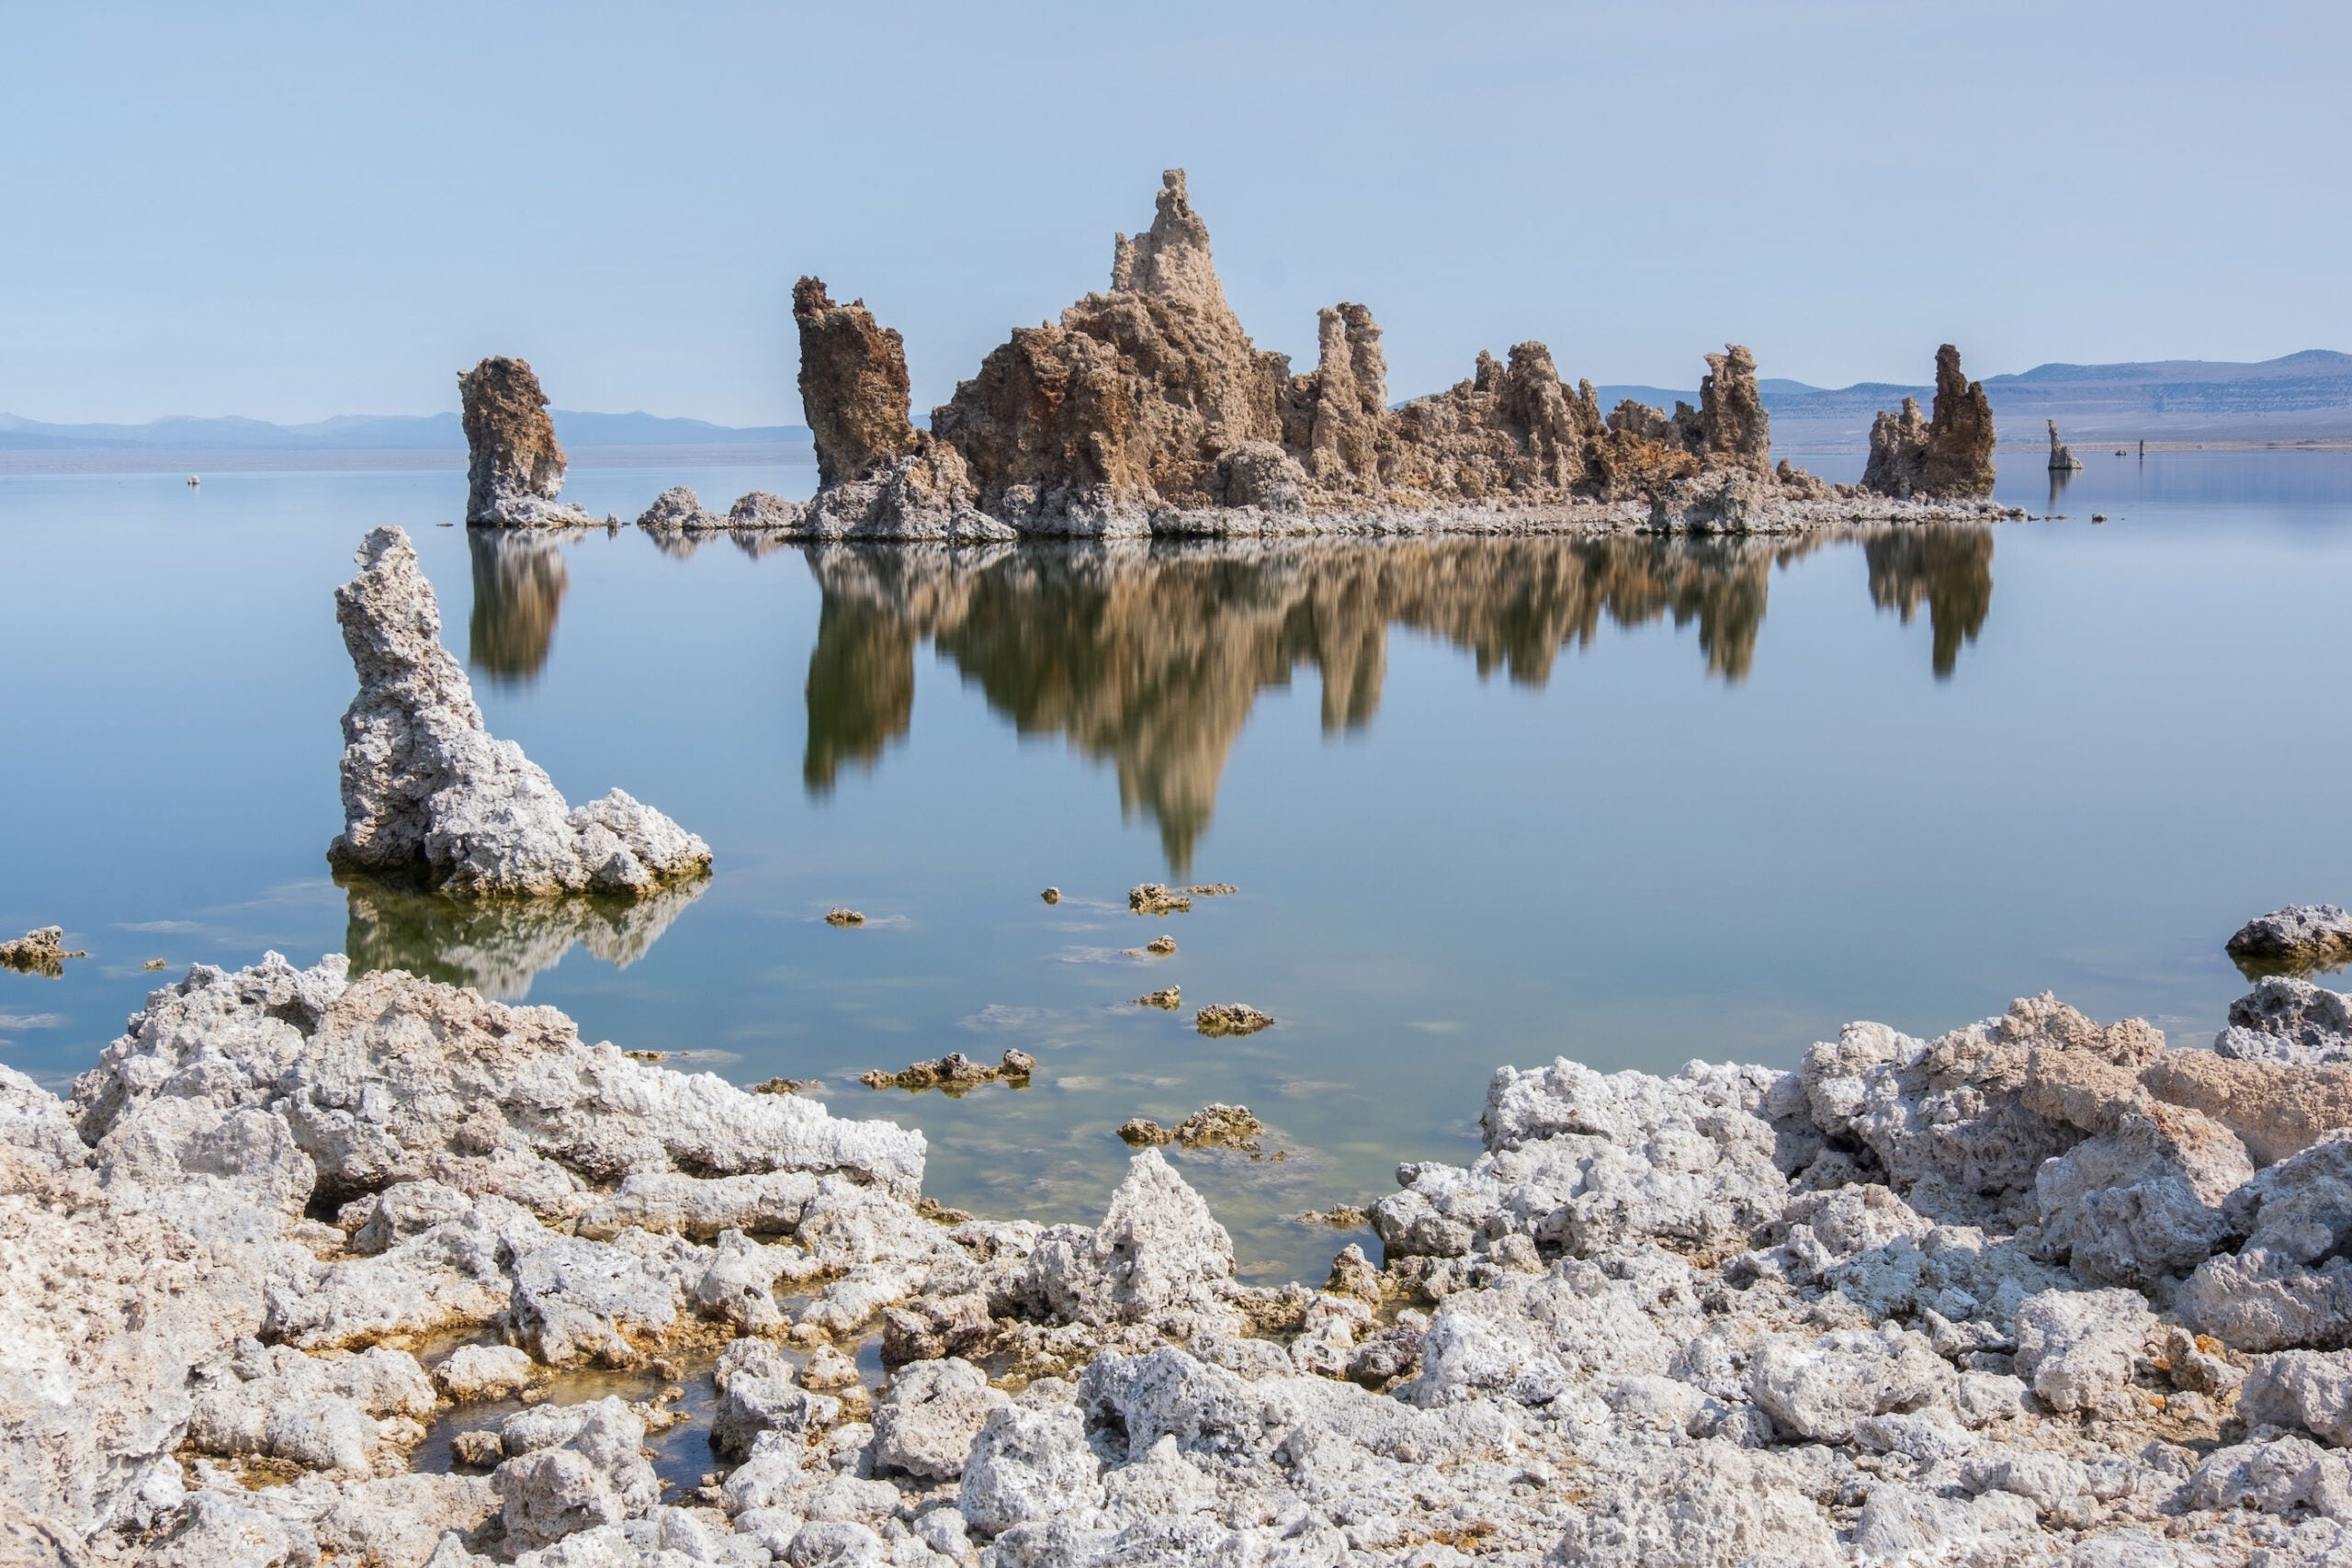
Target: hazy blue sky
292	211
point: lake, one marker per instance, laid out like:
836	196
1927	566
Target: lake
1632	800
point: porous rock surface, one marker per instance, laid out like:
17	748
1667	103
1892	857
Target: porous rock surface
2307	935
1734	1316
513	466
1147	409
430	795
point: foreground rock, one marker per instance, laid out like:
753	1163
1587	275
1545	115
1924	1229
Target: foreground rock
429	795
1148	409
1948	456
1998	1298
38	952
513	467
2302	936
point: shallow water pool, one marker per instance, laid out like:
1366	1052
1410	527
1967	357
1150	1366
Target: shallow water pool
1635	801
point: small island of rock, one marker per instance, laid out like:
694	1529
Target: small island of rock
1148	411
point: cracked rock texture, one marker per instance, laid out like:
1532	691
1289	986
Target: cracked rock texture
513	467
1998	1298
429	795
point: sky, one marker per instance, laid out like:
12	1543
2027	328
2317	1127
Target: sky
294	212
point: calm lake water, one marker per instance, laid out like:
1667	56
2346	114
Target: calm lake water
1633	801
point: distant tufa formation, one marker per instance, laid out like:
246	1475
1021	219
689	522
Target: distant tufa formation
1148	409
513	467
1950	455
2061	457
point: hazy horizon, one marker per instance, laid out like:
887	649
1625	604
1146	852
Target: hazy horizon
292	215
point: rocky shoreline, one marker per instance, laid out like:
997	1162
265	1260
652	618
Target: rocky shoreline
2037	1292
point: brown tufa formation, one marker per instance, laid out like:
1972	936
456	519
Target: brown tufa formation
513	467
38	952
853	385
1230	1018
1948	456
1150	398
1157	898
1212	1127
955	1072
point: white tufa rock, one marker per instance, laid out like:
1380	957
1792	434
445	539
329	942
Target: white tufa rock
429	793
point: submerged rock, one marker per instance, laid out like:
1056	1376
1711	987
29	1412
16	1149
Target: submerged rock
429	794
1212	1127
1157	898
953	1072
38	952
1230	1018
1948	455
513	467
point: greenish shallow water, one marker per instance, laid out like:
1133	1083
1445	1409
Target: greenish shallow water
1634	802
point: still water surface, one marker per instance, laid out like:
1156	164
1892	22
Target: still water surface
1634	801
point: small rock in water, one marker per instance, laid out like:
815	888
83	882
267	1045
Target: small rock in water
932	1209
1338	1216
1211	889
2299	936
38	952
783	1086
155	964
646	1056
1158	947
477	1450
2098	516
1212	1127
1156	898
1169	998
1230	1018
845	918
953	1072
1051	895
678	507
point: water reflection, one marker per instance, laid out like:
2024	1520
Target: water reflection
2059	479
1951	568
1151	656
500	946
519	582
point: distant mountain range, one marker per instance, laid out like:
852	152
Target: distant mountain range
2298	397
377	432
